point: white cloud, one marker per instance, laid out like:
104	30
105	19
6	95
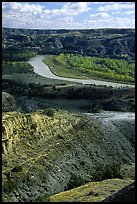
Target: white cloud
75	8
18	7
31	15
100	15
23	14
116	6
130	12
69	9
123	13
110	22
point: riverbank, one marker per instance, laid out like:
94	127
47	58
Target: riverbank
43	70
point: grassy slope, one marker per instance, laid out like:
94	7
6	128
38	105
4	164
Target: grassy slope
91	192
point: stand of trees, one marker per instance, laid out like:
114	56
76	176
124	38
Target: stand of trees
17	55
10	67
14	61
105	68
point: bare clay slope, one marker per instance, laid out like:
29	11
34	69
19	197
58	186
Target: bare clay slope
41	152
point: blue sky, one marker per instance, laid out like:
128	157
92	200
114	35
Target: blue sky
68	15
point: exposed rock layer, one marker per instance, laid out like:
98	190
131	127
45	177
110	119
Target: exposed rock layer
116	43
49	149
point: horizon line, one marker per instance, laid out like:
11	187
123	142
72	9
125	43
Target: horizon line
65	28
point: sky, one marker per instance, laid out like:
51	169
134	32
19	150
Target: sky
68	15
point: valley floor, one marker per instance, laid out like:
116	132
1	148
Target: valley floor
43	70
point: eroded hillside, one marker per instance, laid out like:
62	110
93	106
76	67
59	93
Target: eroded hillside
41	151
114	43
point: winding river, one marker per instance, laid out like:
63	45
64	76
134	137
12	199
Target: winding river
43	70
111	116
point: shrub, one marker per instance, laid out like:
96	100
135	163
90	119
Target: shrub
9	186
107	172
49	112
75	181
33	126
43	198
17	168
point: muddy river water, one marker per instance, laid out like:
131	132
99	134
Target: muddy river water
43	70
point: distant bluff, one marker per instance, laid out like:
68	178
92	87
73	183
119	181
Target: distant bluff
114	43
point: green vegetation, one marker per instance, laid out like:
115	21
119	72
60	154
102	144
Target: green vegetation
10	67
90	192
102	172
43	198
75	181
17	55
59	69
49	112
44	145
50	150
113	43
17	168
14	61
9	186
70	65
107	172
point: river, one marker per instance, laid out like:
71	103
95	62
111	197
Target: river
43	70
109	116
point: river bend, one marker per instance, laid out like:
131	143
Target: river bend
42	69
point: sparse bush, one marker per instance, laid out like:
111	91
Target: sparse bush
33	126
107	172
49	112
17	168
75	181
43	198
9	186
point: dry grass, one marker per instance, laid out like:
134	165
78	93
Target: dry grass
91	192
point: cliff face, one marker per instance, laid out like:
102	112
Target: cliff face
41	152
